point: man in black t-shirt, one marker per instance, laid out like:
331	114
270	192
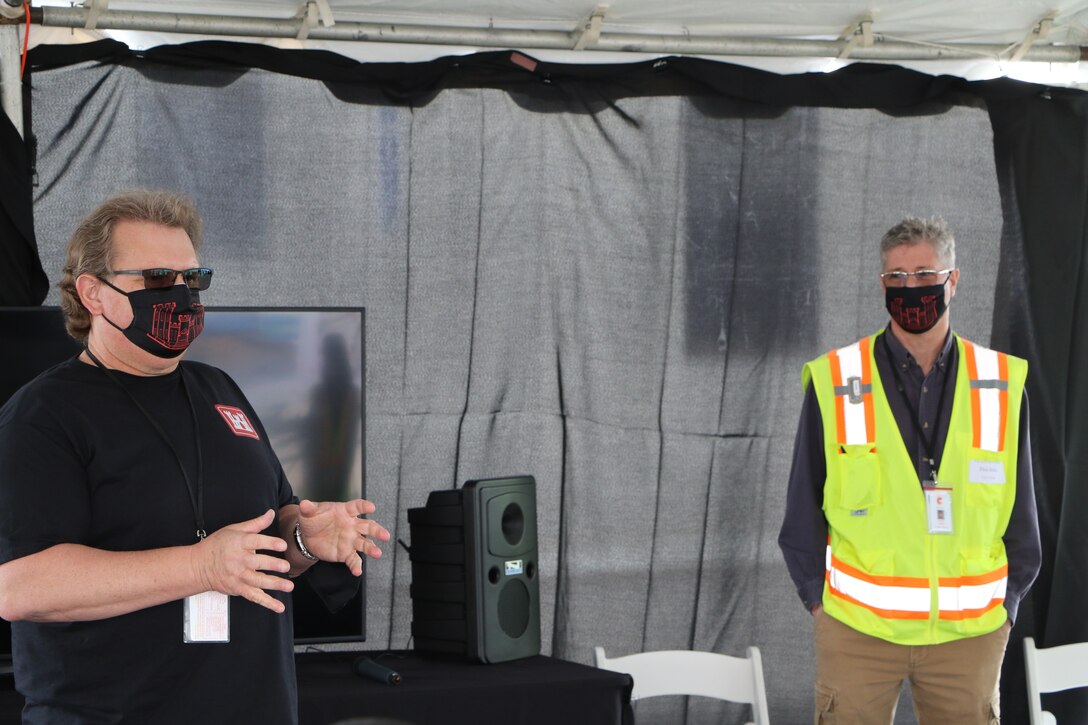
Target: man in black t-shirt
148	535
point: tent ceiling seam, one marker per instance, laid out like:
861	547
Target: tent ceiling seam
1039	32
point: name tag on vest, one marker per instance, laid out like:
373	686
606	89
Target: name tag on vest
986	472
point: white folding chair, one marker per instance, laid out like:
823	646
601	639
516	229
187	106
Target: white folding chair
1052	670
705	674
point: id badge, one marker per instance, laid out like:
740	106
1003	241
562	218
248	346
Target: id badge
207	618
939	509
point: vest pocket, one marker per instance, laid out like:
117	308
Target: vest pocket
981	560
859	472
983	466
983	496
876	562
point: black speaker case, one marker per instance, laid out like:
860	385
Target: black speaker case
495	603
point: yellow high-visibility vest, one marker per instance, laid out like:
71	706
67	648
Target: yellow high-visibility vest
886	575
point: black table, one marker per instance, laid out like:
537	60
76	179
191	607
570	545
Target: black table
443	690
11	702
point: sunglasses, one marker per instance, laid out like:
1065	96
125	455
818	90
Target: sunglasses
197	278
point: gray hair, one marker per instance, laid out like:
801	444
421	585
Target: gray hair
90	250
913	230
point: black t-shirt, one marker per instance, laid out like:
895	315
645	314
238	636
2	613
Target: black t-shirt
80	464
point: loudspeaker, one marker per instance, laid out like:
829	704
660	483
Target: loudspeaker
474	588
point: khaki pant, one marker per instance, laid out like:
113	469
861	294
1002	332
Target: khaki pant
858	677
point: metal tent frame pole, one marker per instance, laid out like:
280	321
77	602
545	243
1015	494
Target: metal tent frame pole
490	37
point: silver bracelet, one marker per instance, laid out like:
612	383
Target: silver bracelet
302	547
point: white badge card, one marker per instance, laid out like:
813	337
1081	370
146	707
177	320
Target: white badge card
939	510
986	472
207	617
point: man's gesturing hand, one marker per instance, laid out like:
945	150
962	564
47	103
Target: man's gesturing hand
333	531
229	561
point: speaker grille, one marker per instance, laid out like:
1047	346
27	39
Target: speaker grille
514	608
513	524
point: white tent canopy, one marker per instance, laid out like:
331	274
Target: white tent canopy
1027	40
975	39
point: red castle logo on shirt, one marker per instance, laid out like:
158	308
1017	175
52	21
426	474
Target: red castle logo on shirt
237	421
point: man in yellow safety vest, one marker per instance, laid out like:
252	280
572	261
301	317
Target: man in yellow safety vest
910	527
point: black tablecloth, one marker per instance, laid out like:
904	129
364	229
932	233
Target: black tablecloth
11	702
442	690
438	690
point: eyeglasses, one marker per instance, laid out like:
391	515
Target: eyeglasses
923	277
197	278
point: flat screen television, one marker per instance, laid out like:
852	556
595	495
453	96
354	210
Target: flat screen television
303	369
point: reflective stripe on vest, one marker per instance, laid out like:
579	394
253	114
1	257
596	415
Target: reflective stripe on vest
903	597
989	374
852	377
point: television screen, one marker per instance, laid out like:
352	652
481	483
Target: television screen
302	369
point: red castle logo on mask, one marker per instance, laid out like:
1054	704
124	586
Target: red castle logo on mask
912	317
175	331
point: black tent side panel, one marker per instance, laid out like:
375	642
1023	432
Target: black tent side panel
22	280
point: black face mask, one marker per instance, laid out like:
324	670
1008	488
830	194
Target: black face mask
164	321
915	309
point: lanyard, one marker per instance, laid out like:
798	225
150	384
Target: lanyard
196	496
928	444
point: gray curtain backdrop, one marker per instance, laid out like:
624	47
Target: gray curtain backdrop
613	295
